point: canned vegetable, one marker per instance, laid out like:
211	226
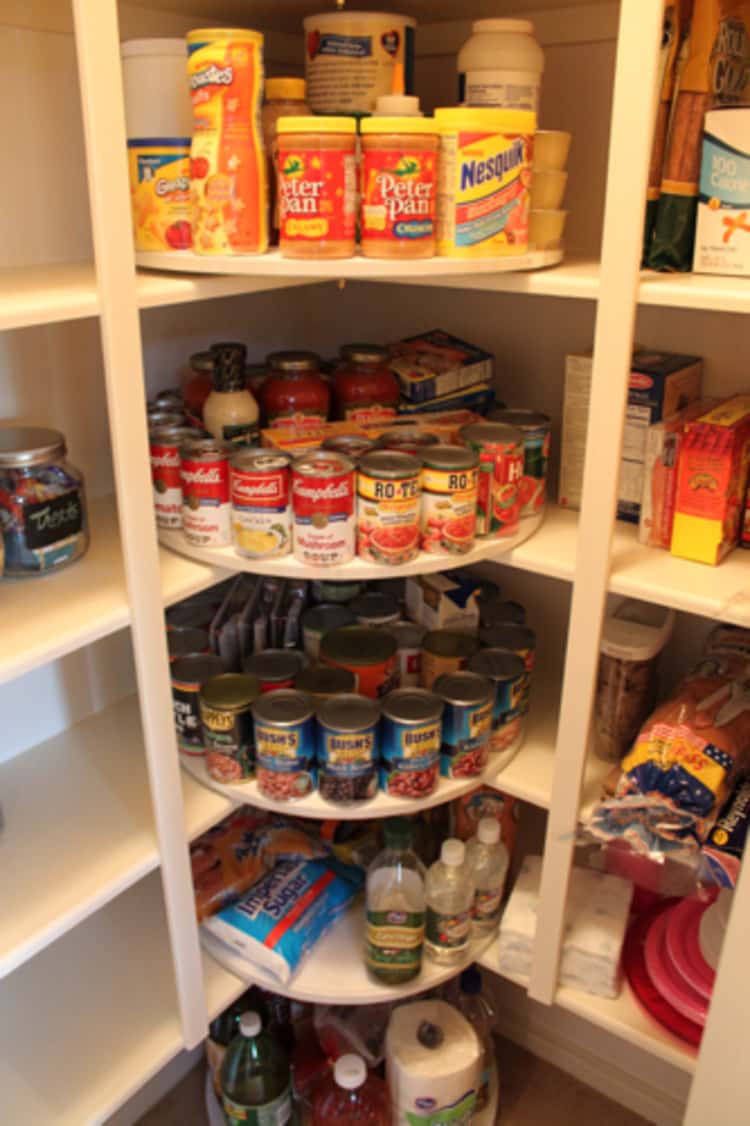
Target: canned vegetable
409	638
348	748
449	499
507	672
444	651
373	608
371	654
521	640
285	745
189	674
500	452
322	681
319	620
388	496
410	742
274	668
535	428
225	703
467	722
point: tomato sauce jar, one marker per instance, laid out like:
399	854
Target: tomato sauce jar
500	451
364	387
399	187
295	393
449	499
323	508
317	186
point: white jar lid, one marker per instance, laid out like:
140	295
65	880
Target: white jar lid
452	853
350	1071
488	831
637	631
521	27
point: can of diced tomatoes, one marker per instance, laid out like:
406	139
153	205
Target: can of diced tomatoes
261	508
164	445
449	499
204	477
323	508
284	745
411	728
535	428
388	501
500	451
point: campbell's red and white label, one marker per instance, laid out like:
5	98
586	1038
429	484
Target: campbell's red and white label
323	513
205	502
165	475
317	194
261	512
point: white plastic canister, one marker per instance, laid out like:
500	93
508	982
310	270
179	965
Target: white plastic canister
157	99
501	65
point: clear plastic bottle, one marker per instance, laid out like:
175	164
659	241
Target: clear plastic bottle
481	1016
255	1078
395	907
487	857
449	891
351	1097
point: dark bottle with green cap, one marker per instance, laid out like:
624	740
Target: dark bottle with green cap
395	907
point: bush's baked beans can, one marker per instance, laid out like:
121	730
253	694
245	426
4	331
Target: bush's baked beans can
467	723
535	428
323	508
444	651
449	499
348	749
225	703
411	728
500	451
520	640
189	674
164	447
507	672
204	478
274	668
370	654
285	745
388	503
261	503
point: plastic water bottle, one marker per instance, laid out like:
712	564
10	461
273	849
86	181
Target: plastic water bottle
481	1016
449	891
255	1080
487	857
351	1097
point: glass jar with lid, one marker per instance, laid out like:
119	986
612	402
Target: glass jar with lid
295	393
42	503
197	382
364	387
284	97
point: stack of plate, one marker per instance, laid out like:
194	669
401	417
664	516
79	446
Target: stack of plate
670	958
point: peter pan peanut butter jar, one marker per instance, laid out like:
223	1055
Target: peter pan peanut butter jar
317	186
399	187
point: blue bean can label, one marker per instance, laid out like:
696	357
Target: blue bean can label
465	744
285	760
507	713
410	757
347	762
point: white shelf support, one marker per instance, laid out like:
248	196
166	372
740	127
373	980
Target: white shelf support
629	152
97	43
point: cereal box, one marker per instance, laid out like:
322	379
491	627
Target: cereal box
663	444
436	363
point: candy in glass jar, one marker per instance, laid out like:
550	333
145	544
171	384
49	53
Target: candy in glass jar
42	503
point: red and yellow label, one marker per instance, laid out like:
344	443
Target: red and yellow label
160	194
316	194
227	167
398	194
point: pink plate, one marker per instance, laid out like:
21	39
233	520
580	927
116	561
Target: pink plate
643	988
683	946
665	977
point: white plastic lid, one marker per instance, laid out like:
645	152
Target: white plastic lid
452	853
488	830
522	27
250	1024
397	105
636	631
153	47
350	1071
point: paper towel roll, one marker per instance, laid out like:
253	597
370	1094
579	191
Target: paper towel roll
432	1063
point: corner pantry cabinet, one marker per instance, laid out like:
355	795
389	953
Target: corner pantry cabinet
103	979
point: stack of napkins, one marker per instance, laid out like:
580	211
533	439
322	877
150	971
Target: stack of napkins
596	919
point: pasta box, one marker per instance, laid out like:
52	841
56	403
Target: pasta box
711	482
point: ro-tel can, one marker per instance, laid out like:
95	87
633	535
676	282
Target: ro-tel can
187	643
164	446
189	674
535	428
407	440
319	620
467	722
227	164
409	638
320	682
204	477
274	668
226	703
375	608
323	508
261	505
324	591
285	745
520	640
411	735
388	502
352	446
445	651
496	611
348	749
449	499
507	672
500	450
371	654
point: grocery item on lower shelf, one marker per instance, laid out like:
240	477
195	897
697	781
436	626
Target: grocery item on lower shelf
449	904
487	859
255	1076
473	1003
351	1096
723	849
395	908
597	913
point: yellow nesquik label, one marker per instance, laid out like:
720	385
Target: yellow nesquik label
160	194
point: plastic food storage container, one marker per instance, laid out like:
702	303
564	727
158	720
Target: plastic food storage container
501	65
632	639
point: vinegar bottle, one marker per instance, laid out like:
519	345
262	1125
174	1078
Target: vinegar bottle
449	892
487	857
351	1097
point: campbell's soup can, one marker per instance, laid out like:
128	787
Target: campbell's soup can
323	508
261	505
500	450
164	446
204	476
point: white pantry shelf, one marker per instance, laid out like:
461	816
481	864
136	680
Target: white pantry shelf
334	971
70	846
37	295
91	1019
48	616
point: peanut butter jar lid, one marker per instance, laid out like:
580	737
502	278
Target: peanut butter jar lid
424	125
299	124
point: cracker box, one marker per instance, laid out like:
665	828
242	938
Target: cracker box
663	444
711	482
436	363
